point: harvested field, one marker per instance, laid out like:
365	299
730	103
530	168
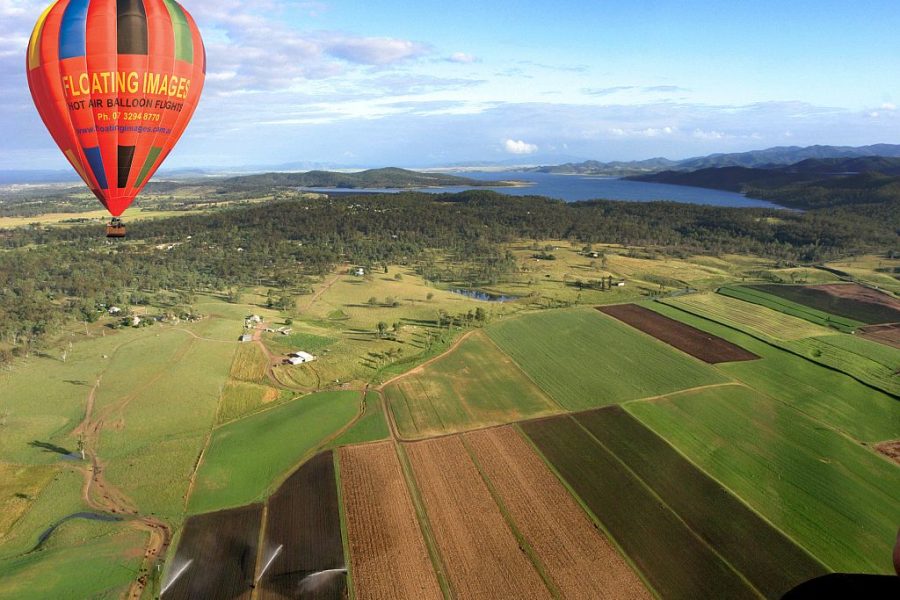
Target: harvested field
702	345
249	363
387	551
788	307
480	552
304	521
886	334
576	556
473	386
217	554
767	558
844	299
671	557
890	449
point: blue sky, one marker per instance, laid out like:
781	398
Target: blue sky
431	83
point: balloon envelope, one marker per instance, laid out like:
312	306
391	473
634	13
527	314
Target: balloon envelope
116	82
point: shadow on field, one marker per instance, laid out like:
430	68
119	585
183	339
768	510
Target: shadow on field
48	447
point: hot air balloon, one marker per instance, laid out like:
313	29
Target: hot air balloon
116	82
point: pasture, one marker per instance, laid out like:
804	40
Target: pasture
245	458
833	398
873	363
832	496
473	386
583	359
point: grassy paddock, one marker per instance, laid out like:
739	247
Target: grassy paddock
246	457
584	359
473	386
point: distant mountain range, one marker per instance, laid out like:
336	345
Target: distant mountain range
811	183
778	156
390	177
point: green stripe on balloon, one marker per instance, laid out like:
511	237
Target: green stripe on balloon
184	41
148	164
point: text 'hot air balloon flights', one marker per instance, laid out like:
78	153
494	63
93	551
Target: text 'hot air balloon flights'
116	83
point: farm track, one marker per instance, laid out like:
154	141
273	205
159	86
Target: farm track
101	495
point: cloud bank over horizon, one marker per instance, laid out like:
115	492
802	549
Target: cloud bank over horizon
341	84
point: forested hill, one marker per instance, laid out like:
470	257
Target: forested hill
809	184
390	177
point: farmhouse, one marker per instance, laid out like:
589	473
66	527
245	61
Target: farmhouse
359	271
114	310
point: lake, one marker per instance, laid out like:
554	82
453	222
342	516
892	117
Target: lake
574	188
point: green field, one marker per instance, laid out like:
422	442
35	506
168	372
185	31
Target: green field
672	559
246	457
475	385
584	359
873	363
756	296
834	497
752	318
831	397
370	427
769	560
101	567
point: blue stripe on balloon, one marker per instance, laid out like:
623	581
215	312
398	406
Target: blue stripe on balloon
96	162
73	30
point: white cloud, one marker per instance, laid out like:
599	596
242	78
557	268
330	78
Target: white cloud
701	134
373	50
519	147
463	58
647	132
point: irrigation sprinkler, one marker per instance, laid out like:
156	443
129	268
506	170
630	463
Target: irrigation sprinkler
178	573
269	562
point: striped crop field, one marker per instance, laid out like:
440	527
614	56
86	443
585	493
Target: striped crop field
584	359
829	494
788	307
752	318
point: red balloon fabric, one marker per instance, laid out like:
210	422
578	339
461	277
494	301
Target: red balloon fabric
116	82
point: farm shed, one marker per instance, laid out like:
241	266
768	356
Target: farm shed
301	357
246	338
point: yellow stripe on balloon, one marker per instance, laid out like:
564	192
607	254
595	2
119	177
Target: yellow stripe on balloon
34	45
77	164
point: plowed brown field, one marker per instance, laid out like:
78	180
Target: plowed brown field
702	345
886	334
575	554
387	551
482	557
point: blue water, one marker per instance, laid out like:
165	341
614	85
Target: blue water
483	296
574	188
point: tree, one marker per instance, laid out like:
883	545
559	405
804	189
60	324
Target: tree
398	277
480	315
397	327
373	301
429	295
382	328
289	321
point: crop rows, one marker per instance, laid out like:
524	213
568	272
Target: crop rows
756	296
846	300
584	359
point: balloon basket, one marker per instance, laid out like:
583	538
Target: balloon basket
115	229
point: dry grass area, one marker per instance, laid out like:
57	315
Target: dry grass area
387	551
575	554
19	486
481	554
890	449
